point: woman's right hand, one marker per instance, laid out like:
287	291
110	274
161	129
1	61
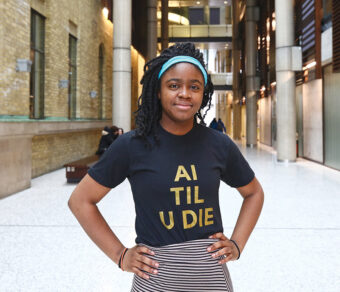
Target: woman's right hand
135	261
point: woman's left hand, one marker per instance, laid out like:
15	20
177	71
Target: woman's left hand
227	248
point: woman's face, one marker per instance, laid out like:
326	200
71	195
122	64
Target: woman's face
181	93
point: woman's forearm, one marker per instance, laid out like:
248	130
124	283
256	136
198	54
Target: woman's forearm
97	228
249	214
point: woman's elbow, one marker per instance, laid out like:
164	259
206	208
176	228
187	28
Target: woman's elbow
71	203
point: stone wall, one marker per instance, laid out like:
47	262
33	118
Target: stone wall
29	149
51	152
14	44
81	18
47	144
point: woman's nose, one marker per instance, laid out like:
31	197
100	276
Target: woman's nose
185	92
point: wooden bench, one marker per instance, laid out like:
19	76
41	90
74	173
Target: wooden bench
76	170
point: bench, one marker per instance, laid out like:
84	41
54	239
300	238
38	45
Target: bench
76	170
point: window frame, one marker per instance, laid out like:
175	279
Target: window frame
37	104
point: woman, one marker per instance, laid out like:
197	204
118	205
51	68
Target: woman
174	165
109	135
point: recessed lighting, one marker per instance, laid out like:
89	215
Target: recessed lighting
198	2
225	2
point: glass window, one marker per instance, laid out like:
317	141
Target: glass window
37	56
196	15
101	81
72	89
327	7
327	14
214	15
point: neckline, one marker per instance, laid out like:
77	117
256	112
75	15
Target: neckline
189	133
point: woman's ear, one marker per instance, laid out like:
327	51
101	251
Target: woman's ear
159	94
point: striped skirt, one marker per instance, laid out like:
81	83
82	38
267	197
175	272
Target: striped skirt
186	266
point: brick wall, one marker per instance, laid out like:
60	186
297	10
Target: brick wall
54	145
81	18
14	44
50	152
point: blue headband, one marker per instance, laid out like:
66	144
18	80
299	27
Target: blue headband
183	59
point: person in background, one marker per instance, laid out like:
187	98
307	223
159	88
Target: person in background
109	134
120	131
213	124
220	126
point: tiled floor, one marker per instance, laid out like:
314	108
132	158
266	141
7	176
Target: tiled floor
295	246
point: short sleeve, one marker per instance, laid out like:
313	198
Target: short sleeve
237	172
113	167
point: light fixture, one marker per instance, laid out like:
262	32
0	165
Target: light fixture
309	66
23	65
198	2
225	2
105	12
274	24
174	18
63	83
93	94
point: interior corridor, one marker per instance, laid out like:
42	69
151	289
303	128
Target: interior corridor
295	246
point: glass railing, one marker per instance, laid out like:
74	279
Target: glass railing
194	31
222	78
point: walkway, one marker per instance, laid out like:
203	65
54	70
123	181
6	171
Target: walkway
295	246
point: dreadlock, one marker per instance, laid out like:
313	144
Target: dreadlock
149	110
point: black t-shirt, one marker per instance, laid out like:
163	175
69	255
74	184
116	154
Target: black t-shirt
175	183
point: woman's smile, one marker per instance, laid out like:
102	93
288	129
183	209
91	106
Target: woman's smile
183	105
181	95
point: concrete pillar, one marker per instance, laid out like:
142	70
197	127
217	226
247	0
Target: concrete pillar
251	86
165	25
228	60
152	29
236	54
285	82
121	112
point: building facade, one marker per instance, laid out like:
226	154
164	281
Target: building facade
295	41
274	64
55	85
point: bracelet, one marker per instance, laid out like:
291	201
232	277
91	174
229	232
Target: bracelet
238	249
120	262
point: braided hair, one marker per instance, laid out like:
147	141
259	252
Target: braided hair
149	110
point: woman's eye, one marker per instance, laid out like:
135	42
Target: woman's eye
173	86
195	87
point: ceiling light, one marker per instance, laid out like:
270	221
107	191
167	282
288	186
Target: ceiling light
106	12
198	2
